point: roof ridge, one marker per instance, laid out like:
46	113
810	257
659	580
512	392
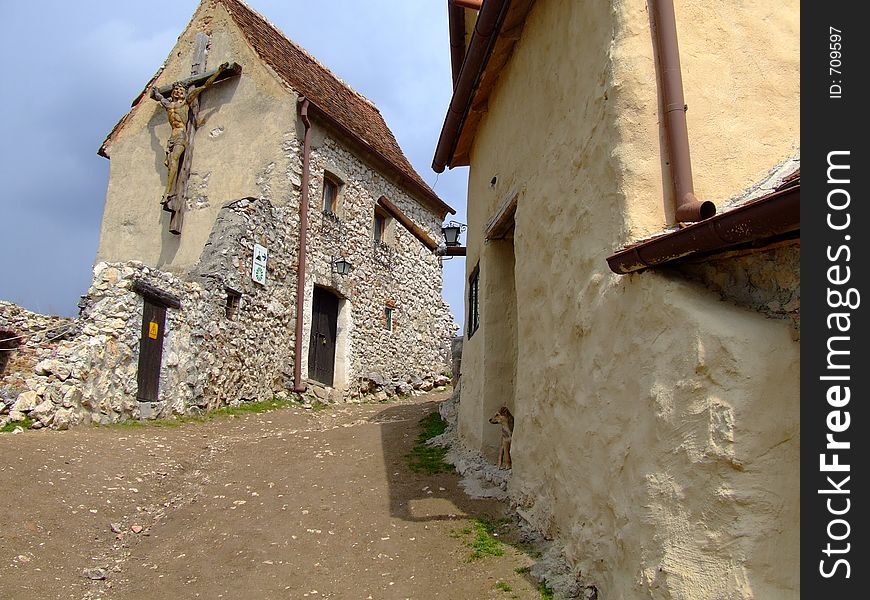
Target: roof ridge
301	49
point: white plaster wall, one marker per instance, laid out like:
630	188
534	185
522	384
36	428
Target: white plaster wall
657	427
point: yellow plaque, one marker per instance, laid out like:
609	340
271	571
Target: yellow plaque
152	330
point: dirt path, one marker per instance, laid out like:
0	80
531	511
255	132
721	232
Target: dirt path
286	504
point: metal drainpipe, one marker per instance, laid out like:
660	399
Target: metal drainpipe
686	206
472	4
456	20
303	240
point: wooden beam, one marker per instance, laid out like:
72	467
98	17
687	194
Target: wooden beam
503	220
233	70
155	294
412	227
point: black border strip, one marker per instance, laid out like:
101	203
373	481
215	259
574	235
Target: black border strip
834	264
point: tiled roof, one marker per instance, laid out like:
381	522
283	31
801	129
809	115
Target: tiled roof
323	89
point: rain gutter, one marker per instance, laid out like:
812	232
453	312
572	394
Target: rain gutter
456	20
775	215
480	47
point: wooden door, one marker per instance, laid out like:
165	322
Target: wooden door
150	350
324	326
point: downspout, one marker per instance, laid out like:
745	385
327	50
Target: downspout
303	241
456	20
686	206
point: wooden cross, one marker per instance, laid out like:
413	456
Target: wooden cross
180	149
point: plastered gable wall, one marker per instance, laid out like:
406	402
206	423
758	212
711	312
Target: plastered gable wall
656	430
237	152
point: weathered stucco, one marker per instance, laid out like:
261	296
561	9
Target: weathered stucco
656	426
237	153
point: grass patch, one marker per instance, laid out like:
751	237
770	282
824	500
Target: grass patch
427	459
250	407
483	541
523	570
545	591
319	406
226	411
11	425
501	585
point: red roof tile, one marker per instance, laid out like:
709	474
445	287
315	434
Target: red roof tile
327	92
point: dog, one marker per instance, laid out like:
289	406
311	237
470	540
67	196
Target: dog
504	418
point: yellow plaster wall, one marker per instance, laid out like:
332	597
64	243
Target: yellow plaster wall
237	152
740	64
657	427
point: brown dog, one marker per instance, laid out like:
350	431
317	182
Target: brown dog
504	418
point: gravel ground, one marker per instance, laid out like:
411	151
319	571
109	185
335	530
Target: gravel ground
291	503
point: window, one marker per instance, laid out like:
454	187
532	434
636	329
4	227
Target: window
330	194
474	301
380	226
233	300
388	318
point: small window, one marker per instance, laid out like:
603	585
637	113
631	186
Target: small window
233	300
388	318
380	225
330	194
474	301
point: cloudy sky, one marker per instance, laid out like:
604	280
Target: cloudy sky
72	68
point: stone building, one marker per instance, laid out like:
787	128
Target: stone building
646	341
230	281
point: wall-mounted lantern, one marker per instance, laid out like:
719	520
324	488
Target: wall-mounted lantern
341	266
451	233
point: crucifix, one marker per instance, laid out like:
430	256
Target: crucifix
184	98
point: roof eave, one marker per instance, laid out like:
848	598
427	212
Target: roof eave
499	25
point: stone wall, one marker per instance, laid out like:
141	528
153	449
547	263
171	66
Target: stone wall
26	338
212	358
400	273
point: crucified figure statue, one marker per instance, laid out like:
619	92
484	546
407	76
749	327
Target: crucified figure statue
177	107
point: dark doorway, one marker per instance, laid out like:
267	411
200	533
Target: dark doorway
324	326
150	350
